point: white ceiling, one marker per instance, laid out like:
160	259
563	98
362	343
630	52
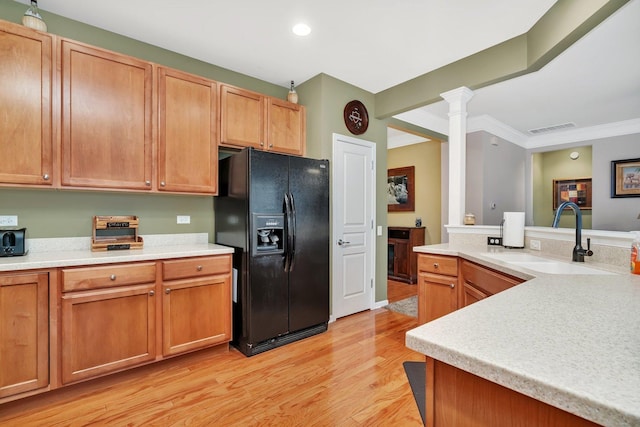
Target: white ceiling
376	44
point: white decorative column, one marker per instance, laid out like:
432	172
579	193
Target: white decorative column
457	99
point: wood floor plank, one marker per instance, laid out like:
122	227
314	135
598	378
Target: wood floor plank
351	375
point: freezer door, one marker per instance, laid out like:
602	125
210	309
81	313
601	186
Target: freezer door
309	275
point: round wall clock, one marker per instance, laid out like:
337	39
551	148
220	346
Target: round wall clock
356	117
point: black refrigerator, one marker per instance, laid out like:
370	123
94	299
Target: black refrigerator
273	209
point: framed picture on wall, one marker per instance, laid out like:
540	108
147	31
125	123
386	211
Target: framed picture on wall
400	189
576	190
625	178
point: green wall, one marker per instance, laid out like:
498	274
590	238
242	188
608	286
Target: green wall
425	157
325	98
557	165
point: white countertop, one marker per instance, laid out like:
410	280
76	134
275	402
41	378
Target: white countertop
52	253
570	341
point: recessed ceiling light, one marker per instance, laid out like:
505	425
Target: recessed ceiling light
301	29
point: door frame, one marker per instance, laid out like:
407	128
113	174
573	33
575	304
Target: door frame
371	251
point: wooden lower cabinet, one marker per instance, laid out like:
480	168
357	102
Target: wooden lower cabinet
479	282
458	398
437	290
195	314
24	332
446	283
102	319
107	330
196	303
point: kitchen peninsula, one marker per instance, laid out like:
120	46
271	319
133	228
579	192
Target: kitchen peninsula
567	342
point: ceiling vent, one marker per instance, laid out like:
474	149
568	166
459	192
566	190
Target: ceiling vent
553	128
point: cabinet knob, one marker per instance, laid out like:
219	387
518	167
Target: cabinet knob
152	293
147	183
270	145
45	177
167	291
261	144
436	265
199	268
112	277
162	183
453	285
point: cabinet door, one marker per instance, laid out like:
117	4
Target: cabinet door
471	294
437	294
196	313
187	135
401	259
25	106
24	333
107	330
287	127
106	119
242	118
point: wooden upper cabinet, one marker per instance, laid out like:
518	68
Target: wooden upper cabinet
187	134
287	127
106	118
26	141
250	119
243	117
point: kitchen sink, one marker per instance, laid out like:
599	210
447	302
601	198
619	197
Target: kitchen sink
543	265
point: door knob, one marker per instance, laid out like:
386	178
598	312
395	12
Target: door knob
342	242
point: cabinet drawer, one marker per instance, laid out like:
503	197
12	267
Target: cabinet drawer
485	280
75	279
438	264
196	267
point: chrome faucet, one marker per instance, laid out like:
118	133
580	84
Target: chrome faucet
578	251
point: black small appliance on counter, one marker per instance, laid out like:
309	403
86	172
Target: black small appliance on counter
12	241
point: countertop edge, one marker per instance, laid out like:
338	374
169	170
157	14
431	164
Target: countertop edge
39	261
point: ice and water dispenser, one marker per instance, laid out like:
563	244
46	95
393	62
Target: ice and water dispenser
268	234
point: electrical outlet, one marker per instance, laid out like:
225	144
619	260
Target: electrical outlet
494	241
535	245
183	219
9	221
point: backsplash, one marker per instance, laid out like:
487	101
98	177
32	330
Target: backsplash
84	243
611	248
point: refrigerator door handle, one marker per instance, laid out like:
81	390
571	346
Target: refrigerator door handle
292	248
287	212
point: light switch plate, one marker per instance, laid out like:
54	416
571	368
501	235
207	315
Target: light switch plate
183	219
9	221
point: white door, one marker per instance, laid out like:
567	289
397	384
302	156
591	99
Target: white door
353	200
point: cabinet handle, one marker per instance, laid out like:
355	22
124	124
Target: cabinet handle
147	183
162	183
453	285
270	145
45	177
261	144
436	265
152	293
112	277
199	268
167	291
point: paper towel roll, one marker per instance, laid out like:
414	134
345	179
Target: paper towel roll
513	230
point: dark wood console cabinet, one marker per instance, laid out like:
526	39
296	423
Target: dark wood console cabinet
402	261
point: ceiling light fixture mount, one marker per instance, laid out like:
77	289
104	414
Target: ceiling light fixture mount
301	29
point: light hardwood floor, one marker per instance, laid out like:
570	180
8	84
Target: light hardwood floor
351	375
